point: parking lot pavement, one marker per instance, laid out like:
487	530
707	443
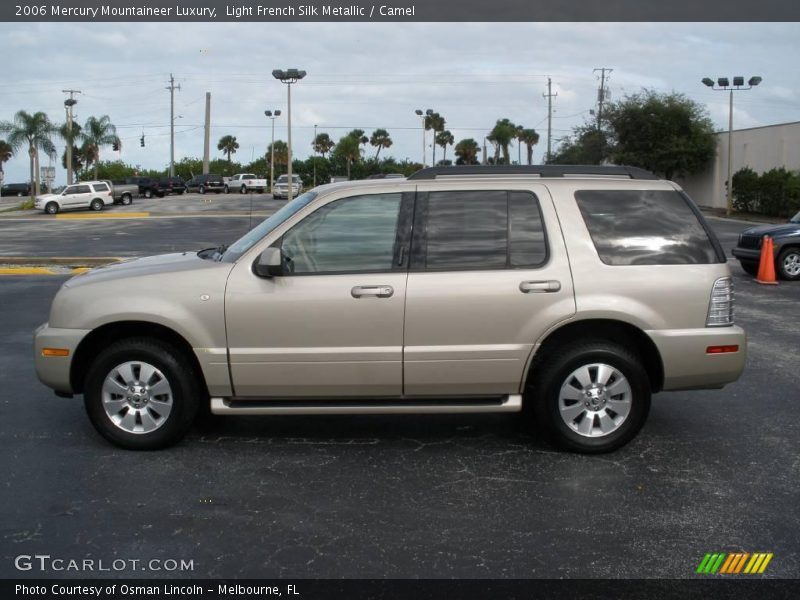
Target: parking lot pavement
431	496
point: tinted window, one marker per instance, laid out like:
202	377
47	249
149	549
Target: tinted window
72	189
484	230
352	234
82	189
100	187
644	228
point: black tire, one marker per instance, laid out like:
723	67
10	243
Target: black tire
751	268
96	205
126	199
51	208
201	190
180	193
227	190
552	371
243	189
148	194
186	395
788	261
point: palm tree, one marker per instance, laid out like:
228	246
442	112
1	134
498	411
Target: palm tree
228	145
95	134
350	149
502	134
5	154
33	130
323	144
443	139
434	122
380	139
358	134
281	152
530	138
467	152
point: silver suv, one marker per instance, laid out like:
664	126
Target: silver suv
572	293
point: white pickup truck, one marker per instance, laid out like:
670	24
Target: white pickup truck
245	182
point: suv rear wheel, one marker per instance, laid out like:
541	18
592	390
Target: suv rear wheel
140	394
96	205
589	396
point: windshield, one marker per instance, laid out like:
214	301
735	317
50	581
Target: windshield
244	243
795	219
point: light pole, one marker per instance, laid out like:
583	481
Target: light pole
724	85
289	76
68	104
314	145
423	116
272	115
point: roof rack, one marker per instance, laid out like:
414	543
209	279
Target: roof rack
540	170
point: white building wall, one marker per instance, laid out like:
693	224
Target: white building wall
760	148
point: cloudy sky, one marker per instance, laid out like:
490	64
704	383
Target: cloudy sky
374	75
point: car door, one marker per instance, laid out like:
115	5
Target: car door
69	196
332	324
489	276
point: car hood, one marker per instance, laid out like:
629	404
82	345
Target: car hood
164	264
47	196
781	229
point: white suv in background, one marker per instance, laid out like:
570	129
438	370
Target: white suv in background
94	195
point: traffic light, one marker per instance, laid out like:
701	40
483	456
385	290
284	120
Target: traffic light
115	146
141	141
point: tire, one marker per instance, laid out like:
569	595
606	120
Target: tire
96	205
19	194
243	189
148	194
227	191
789	264
51	208
180	193
145	422
554	380
201	190
126	199
750	268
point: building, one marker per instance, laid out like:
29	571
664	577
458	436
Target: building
760	148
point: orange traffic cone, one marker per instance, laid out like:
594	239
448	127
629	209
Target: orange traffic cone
766	265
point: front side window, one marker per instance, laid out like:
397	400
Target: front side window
645	227
354	234
483	230
72	189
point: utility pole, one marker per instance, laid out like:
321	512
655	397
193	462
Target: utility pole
314	145
549	95
601	92
68	104
207	136
172	87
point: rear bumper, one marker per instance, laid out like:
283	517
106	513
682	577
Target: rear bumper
54	371
688	365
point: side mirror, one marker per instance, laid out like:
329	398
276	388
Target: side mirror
269	263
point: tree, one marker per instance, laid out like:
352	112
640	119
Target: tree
281	152
434	122
228	145
380	139
444	139
323	144
95	134
467	152
5	153
530	138
35	131
587	146
78	159
502	134
668	134
746	190
349	150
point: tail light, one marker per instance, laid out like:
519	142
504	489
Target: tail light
720	308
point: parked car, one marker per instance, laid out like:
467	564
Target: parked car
245	182
281	189
786	246
573	292
206	183
171	185
148	187
94	195
124	192
16	189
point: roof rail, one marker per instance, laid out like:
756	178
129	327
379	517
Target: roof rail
540	170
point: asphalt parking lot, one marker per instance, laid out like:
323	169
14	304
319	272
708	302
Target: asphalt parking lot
468	496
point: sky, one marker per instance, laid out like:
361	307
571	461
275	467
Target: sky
370	75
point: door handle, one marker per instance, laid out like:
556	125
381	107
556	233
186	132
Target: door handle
539	287
377	291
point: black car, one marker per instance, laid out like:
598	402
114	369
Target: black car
171	185
786	243
206	183
16	189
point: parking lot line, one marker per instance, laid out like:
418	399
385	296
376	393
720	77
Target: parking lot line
131	215
26	271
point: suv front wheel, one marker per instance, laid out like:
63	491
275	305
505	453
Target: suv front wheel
589	396
140	394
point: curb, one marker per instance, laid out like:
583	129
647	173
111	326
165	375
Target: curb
77	261
11	271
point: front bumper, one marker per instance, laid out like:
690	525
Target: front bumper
747	254
54	371
687	363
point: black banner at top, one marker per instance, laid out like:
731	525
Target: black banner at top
265	11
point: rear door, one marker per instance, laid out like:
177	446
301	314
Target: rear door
489	276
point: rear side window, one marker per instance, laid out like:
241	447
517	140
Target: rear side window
483	230
641	227
100	187
82	189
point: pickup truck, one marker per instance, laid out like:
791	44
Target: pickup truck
245	182
124	191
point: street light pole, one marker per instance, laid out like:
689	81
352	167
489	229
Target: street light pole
420	114
272	115
314	145
721	85
289	76
68	104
